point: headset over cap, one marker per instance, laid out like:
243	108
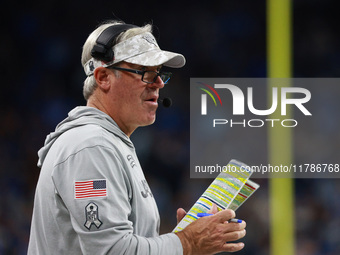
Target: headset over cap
140	49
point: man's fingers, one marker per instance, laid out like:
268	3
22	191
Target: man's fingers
225	215
232	247
234	231
180	214
213	209
235	235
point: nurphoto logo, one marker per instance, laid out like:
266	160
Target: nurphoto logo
294	96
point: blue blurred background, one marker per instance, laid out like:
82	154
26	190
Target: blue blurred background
42	78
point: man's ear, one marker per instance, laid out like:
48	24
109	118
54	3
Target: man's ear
103	78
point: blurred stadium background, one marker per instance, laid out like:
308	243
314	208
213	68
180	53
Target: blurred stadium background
42	80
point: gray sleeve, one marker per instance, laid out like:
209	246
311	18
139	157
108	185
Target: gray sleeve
115	234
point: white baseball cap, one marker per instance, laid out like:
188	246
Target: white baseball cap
142	50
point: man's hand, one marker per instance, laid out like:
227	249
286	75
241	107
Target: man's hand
211	234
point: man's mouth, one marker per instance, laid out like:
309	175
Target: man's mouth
152	99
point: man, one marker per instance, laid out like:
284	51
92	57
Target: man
92	196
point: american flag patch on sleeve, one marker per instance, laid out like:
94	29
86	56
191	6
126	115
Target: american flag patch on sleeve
90	189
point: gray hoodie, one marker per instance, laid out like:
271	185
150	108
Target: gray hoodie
92	196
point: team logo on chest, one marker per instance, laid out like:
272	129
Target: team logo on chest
147	190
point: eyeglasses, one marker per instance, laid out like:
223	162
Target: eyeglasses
147	76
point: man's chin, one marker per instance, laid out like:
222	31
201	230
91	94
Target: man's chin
149	121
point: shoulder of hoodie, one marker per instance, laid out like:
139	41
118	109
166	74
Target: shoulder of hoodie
77	139
89	135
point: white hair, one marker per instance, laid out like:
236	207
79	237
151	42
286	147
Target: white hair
90	82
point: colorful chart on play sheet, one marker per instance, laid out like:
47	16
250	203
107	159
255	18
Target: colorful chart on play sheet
224	191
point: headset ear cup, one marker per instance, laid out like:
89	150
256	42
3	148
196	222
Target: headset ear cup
99	52
102	50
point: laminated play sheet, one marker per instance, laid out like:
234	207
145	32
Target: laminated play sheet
229	190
